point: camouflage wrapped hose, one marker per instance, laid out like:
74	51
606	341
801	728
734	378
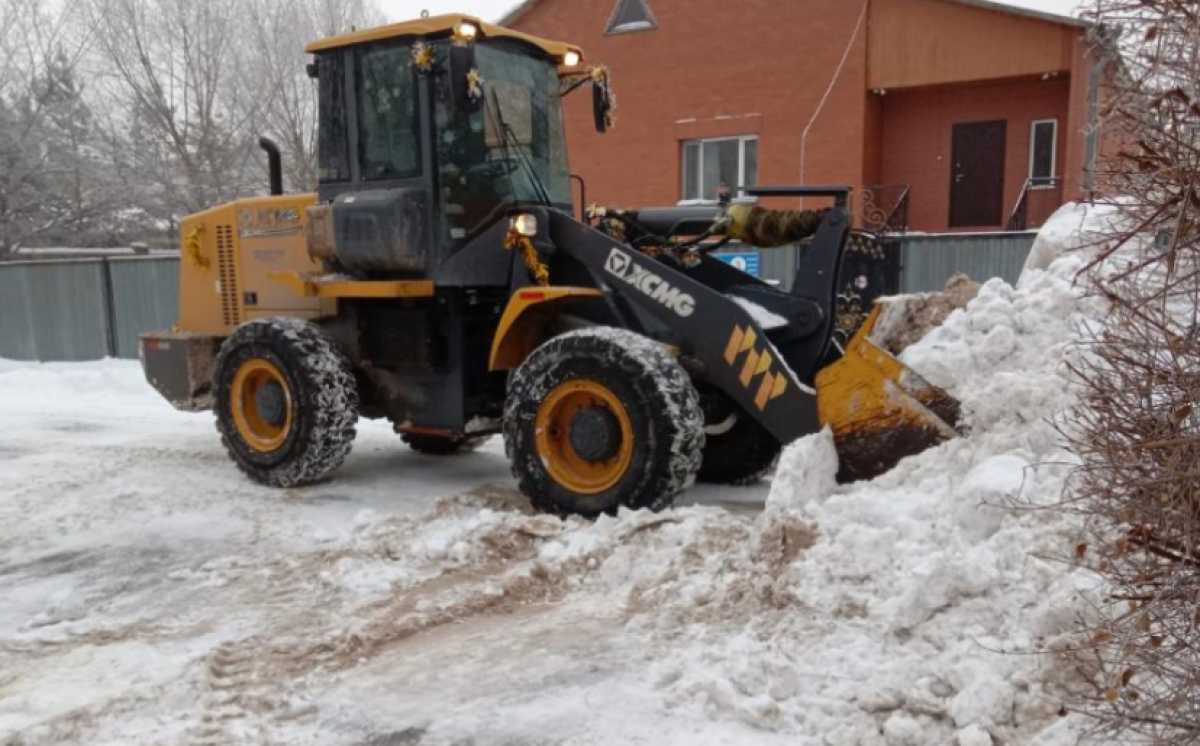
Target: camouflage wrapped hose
766	229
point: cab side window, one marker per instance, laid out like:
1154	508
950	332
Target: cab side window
388	128
333	145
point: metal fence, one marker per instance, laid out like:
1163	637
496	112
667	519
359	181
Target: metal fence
84	309
923	262
927	261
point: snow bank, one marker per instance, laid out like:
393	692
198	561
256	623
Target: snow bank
807	472
101	378
902	610
1073	226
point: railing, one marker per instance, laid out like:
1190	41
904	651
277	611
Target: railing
1039	198
883	208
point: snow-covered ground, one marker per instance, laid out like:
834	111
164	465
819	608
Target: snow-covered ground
152	595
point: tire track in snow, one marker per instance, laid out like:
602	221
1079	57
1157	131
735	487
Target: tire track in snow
243	692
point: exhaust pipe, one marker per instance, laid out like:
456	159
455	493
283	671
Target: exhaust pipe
274	164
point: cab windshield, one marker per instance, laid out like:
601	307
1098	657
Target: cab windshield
510	147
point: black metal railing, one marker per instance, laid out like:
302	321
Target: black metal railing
883	208
1019	218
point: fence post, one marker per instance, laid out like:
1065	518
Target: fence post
110	308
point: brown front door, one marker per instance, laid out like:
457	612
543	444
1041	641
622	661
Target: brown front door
977	174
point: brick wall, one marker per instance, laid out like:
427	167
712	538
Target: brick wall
761	67
917	126
714	68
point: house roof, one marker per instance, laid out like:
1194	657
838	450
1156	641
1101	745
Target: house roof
524	7
435	25
1039	15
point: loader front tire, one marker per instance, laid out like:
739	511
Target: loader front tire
286	401
737	450
601	418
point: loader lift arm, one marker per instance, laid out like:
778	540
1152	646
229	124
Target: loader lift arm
782	377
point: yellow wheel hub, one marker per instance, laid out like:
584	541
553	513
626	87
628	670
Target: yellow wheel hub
262	405
584	436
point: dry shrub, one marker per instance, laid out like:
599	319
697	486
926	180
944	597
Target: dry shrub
1137	428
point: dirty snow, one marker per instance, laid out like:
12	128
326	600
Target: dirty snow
152	595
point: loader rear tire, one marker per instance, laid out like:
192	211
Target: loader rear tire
737	450
602	418
286	401
438	445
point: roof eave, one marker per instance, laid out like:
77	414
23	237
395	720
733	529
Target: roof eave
514	15
1038	15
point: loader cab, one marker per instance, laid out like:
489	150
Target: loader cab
427	130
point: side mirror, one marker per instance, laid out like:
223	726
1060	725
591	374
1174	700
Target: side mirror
601	104
462	62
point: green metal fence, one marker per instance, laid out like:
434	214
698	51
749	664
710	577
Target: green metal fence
926	261
84	309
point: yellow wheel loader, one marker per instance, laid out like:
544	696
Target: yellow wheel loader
438	278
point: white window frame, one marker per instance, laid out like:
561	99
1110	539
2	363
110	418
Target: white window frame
741	167
1053	153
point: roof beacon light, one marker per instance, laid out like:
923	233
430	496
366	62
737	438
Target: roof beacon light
467	30
571	58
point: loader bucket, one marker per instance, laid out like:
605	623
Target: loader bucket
879	409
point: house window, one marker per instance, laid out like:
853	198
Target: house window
707	164
1043	149
630	15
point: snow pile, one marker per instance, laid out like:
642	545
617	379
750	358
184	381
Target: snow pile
902	610
807	471
1074	226
906	322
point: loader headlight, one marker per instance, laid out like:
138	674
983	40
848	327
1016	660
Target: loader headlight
524	224
571	58
467	30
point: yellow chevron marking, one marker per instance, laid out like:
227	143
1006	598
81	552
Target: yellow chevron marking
764	363
764	392
750	339
735	344
773	385
780	386
748	370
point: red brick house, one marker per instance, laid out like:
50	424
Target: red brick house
967	107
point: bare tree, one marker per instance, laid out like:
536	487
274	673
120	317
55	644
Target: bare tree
194	85
133	113
188	103
53	179
279	33
1137	430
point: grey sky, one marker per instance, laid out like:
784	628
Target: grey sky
491	10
